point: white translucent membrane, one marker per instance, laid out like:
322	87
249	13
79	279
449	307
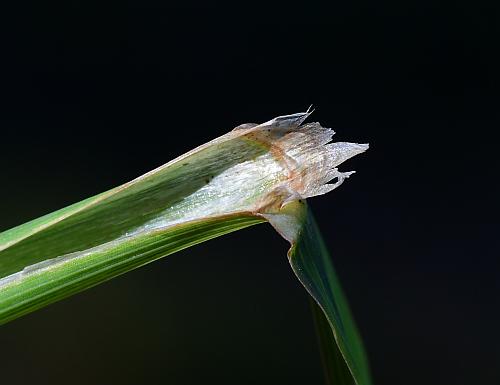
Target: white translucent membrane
299	164
295	162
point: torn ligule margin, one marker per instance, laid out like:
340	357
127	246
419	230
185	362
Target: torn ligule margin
292	120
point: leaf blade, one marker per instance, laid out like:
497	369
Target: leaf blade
312	265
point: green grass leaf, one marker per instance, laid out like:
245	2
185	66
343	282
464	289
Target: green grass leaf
340	342
253	174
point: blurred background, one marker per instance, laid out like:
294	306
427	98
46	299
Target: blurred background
93	96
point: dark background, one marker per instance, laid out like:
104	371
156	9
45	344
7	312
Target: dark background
93	96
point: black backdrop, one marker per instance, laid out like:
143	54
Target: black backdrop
93	96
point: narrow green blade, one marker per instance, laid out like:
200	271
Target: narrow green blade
335	367
339	338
